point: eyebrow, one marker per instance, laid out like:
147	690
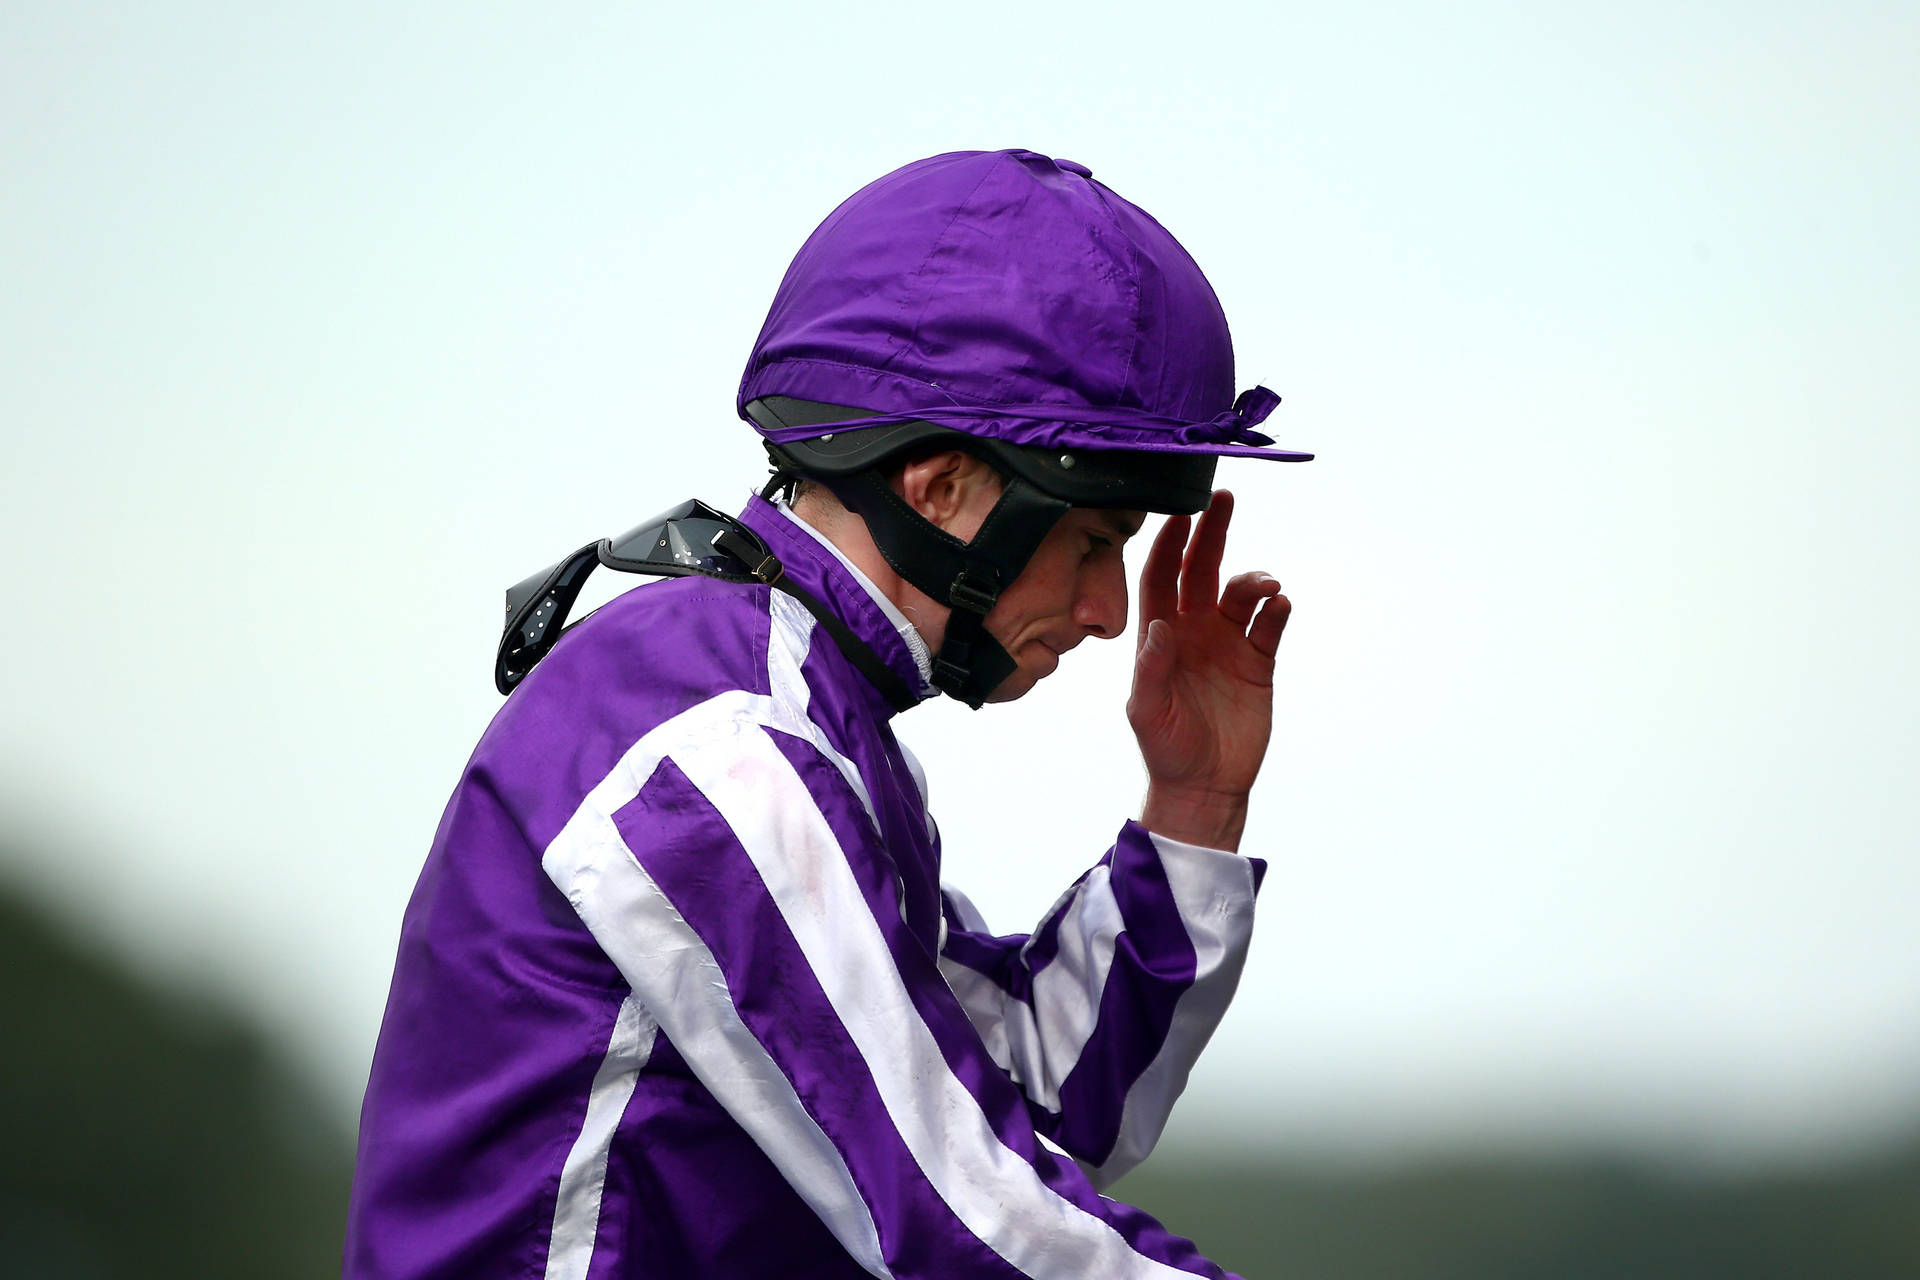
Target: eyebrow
1124	523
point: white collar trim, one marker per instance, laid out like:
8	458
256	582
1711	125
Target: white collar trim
916	643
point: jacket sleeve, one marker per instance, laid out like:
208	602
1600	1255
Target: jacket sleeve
732	872
1100	1013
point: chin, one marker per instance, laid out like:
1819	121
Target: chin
1035	662
1017	685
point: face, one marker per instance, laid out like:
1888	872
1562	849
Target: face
1074	587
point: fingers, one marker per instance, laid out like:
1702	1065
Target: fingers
1264	634
1160	577
1182	575
1200	571
1243	595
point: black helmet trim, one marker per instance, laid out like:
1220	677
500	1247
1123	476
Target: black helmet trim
1135	480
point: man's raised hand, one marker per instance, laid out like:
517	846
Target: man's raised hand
1202	703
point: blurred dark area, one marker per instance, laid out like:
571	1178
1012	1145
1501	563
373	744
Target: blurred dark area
1564	1219
152	1133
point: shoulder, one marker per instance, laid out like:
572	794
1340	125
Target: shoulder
677	668
646	657
659	648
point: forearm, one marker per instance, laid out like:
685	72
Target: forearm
1100	1014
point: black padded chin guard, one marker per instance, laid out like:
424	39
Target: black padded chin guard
967	577
971	663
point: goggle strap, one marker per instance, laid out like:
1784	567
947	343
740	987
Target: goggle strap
538	606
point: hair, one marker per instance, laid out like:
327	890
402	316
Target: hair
814	496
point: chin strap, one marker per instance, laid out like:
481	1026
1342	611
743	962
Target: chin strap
968	577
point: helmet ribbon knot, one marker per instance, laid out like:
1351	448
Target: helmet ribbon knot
1235	426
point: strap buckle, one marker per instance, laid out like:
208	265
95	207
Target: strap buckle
971	595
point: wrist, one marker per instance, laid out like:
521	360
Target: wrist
1196	815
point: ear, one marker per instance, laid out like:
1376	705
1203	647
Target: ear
951	489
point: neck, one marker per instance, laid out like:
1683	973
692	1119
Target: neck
849	535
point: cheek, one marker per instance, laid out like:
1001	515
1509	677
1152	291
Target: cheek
1062	582
1038	596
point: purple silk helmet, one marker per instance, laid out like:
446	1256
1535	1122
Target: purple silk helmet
1006	303
1007	295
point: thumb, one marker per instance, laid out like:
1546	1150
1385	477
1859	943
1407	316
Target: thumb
1153	666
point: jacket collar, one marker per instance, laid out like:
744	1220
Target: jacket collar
820	568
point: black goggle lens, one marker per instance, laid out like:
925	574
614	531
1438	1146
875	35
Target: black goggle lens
692	538
683	540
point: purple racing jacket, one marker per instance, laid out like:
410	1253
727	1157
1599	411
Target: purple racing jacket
680	994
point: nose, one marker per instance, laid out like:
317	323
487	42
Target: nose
1101	603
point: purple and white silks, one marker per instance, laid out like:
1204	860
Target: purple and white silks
679	992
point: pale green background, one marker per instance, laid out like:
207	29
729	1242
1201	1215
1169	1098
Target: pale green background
1591	816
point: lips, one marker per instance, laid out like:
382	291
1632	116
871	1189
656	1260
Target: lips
1065	646
1053	649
